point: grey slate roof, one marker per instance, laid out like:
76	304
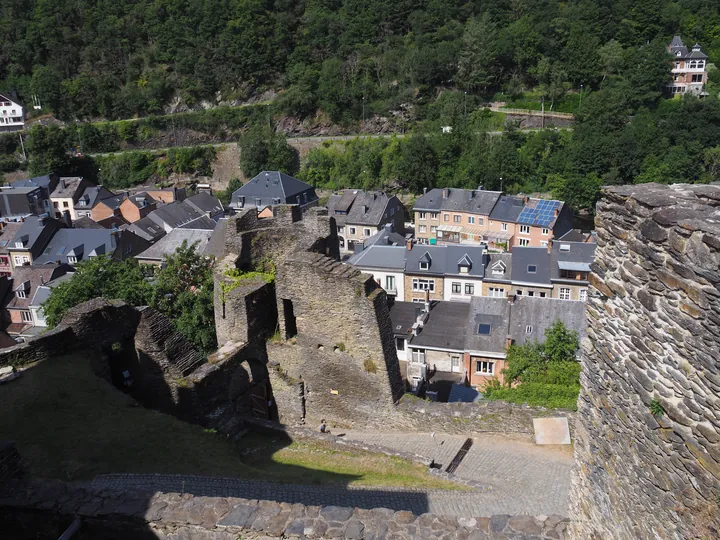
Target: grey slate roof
459	200
36	181
270	185
174	215
203	222
7	234
492	311
91	196
444	328
541	313
368	208
380	257
115	201
67	187
444	260
580	252
174	239
676	45
508	209
86	223
80	243
493	259
147	228
204	202
385	237
525	257
341	203
33	229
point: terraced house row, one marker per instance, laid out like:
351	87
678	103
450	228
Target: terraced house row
407	271
480	217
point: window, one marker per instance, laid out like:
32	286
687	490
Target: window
519	292
446	217
455	363
528	329
392	212
524	229
26	316
423	228
531	293
463	269
418	356
496	292
564	293
423	284
352	230
484	368
457	219
424	265
341	229
434	216
524	242
366	232
400	344
55	204
697	78
545	232
498	269
565	248
276	200
72	259
65	204
481	221
532	269
433	228
456	287
471	220
389	283
484	329
583	295
503	226
258	201
469	288
542	295
21	259
20	293
422	215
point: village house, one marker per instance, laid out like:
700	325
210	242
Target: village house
7	233
72	246
467	342
459	216
148	229
272	188
205	203
17	203
166	195
65	196
569	269
689	71
12	114
88	199
531	272
360	215
31	238
129	207
180	215
383	256
22	309
497	281
156	253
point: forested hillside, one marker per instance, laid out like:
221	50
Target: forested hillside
120	58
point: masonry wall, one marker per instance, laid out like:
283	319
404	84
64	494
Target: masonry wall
648	431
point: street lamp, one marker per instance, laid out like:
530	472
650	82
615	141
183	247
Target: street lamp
501	183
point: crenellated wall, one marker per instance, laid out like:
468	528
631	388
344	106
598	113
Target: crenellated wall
647	454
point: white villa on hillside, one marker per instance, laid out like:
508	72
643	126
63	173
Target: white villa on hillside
12	117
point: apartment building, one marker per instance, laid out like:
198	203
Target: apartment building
65	197
359	215
271	188
12	114
461	216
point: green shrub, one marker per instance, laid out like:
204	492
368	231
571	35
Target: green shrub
551	396
656	408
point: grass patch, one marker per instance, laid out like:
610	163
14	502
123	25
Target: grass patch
71	425
323	463
551	396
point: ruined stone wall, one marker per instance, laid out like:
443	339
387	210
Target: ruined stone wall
648	430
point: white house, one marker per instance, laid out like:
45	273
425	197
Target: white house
12	116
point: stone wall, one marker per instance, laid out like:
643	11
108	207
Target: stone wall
11	466
648	430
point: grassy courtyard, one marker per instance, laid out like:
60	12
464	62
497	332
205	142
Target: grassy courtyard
71	425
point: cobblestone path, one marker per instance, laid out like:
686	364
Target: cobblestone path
513	468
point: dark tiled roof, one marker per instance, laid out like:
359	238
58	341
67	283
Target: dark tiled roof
33	228
507	209
571	252
271	185
33	276
368	208
147	228
444	328
494	312
458	200
174	239
7	234
204	202
525	257
67	188
91	196
342	202
379	256
79	243
174	214
541	313
444	260
203	222
114	202
493	260
86	223
36	181
141	200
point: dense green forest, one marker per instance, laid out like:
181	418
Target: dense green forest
120	58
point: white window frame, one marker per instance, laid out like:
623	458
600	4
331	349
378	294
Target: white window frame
422	215
456	287
543	243
366	232
529	329
433	228
424	265
524	242
564	293
390	283
72	259
485	368
20	293
457	219
21	259
423	229
422	285
352	230
565	248
496	292
524	229
503	227
417	356
435	216
582	295
471	220
545	231
455	363
26	316
498	269
469	289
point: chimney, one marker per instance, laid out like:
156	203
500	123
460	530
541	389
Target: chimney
508	341
550	244
526	200
556	212
408	244
424	190
471	194
511	299
481	188
63	183
427	302
445	193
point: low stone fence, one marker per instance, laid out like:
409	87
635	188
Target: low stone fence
111	514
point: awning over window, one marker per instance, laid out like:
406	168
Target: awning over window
450	228
574	266
497	236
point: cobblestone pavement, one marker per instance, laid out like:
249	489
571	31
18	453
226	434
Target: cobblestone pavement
514	468
482	502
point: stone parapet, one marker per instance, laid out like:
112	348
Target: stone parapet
648	430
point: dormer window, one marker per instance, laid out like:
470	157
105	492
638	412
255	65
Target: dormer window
72	259
425	261
424	265
276	200
20	293
532	269
258	201
484	329
464	264
498	269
